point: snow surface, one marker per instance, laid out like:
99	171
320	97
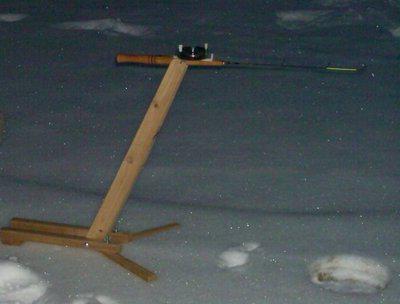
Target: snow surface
304	164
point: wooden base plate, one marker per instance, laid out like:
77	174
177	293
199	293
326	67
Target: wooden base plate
25	230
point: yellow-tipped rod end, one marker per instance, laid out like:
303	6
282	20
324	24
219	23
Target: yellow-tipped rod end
345	69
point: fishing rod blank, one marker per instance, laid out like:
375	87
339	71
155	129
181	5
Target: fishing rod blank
200	56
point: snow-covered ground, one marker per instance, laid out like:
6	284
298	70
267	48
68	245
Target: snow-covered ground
268	172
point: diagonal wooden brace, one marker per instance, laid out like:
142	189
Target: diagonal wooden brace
138	152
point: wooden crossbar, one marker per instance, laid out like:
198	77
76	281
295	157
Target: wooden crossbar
81	231
13	236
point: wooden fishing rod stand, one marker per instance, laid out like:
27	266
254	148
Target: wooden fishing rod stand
99	236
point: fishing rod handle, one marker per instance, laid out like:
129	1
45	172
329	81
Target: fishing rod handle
163	60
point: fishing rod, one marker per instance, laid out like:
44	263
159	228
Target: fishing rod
200	56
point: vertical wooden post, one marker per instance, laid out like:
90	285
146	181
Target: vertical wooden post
138	151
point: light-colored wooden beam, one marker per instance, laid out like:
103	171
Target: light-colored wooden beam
81	231
148	232
138	151
63	229
13	236
50	227
131	266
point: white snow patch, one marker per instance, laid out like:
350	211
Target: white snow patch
335	3
237	256
349	274
250	246
300	15
90	298
233	258
330	17
12	17
395	31
299	19
19	284
110	26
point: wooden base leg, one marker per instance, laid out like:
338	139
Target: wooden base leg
81	231
17	236
7	239
126	237
49	227
132	267
25	230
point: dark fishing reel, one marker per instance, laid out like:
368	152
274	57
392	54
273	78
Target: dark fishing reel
193	53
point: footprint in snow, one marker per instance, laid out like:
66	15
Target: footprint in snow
349	274
107	26
237	256
19	284
90	298
12	17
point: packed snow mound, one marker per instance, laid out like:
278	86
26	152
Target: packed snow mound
285	18
303	19
108	26
342	13
233	258
395	32
12	17
349	274
90	298
237	256
335	3
19	284
250	246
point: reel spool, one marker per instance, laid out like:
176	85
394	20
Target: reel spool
192	53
